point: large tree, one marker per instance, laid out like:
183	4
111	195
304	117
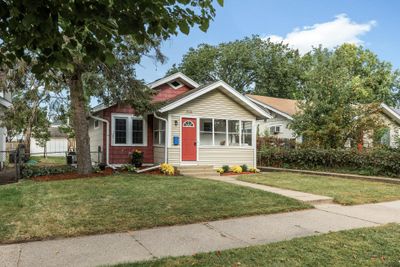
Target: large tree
342	94
249	65
70	37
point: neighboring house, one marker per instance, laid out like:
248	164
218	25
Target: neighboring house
282	111
5	103
210	124
57	146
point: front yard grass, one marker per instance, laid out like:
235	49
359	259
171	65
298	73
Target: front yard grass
343	191
39	210
362	247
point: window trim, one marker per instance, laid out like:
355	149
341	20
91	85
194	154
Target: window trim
160	122
213	145
129	131
175	87
94	124
275	125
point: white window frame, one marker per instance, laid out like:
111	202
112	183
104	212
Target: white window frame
160	122
227	133
175	87
275	125
129	119
94	124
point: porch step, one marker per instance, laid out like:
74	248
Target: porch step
197	170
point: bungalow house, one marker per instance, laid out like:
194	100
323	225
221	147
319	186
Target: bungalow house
210	124
5	103
282	111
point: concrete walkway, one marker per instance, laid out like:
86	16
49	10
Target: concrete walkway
301	196
195	238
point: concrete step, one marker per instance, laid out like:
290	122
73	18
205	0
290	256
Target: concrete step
201	170
199	173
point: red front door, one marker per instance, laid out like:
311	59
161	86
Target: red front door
189	134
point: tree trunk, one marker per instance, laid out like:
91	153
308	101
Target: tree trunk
80	123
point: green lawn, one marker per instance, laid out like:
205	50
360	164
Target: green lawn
363	247
37	210
49	160
343	191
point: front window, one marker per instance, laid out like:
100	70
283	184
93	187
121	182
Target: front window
219	132
120	130
233	133
137	131
159	132
206	132
246	133
128	130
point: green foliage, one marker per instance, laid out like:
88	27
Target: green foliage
244	167
30	171
376	162
342	93
250	64
226	168
57	34
128	168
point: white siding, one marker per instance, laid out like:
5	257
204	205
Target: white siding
215	104
96	139
277	120
159	154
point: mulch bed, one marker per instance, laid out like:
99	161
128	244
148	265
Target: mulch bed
71	176
233	173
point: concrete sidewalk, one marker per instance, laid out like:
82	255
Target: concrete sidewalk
301	196
195	238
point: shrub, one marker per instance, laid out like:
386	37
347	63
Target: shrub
30	171
373	162
220	170
237	169
128	168
225	168
255	170
245	168
167	169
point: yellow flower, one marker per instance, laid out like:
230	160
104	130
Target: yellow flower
237	169
167	169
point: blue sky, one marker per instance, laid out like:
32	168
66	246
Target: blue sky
372	23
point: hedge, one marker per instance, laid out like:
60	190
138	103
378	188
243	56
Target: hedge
30	171
375	162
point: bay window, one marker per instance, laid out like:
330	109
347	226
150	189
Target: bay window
128	130
159	132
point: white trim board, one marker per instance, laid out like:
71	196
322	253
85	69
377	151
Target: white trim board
213	86
170	78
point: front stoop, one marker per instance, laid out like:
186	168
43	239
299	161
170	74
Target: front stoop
198	170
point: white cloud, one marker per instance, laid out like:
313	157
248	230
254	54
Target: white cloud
329	34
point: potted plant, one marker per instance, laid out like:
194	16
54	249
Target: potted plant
137	158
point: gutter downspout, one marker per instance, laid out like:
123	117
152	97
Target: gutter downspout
166	136
108	135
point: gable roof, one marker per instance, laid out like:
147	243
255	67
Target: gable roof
176	76
391	112
194	93
282	106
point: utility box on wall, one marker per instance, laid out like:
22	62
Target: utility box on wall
176	140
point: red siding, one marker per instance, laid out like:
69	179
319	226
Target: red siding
120	154
166	92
